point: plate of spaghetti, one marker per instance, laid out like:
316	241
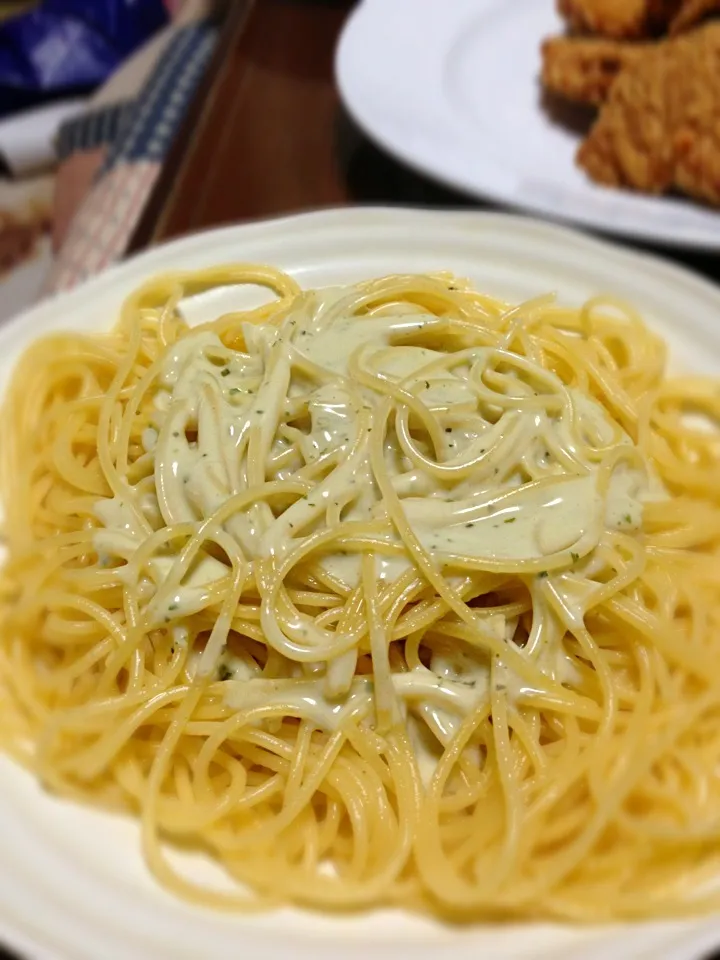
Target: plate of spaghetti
360	591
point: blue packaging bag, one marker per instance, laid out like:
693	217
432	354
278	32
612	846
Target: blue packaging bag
69	46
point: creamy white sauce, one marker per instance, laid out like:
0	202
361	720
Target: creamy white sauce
191	594
303	697
524	475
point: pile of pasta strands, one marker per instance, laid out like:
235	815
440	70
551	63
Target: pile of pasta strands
351	665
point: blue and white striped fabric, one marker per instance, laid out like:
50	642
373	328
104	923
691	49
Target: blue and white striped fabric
138	135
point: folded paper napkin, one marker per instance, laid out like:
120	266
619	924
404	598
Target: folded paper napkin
111	156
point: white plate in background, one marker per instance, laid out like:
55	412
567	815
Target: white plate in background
452	89
73	885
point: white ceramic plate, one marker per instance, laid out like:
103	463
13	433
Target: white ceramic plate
73	885
452	89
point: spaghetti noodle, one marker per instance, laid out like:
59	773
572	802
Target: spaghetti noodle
383	594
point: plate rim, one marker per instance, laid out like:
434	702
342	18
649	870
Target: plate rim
417	158
558	231
125	275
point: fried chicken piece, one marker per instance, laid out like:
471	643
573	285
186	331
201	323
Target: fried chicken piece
691	12
619	19
660	128
583	68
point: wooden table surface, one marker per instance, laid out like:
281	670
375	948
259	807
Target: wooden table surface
268	135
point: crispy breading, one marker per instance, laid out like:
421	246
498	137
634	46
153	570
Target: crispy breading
619	19
691	12
660	127
583	68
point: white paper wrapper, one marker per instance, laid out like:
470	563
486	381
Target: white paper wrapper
27	140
